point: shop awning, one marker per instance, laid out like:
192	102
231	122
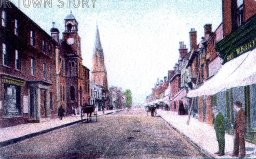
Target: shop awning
240	71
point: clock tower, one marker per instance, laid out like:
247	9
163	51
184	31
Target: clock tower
71	50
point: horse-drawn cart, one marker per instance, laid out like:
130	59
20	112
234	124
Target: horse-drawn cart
90	112
151	109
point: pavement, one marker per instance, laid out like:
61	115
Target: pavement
203	134
14	134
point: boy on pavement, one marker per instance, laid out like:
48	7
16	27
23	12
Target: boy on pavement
220	130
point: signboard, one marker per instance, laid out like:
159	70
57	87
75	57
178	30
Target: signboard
25	104
13	81
238	42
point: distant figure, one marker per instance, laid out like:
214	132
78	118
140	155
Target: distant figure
181	110
220	130
103	109
240	130
61	112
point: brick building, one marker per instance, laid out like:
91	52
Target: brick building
203	64
38	72
177	78
235	80
27	70
74	75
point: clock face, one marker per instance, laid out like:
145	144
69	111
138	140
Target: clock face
70	41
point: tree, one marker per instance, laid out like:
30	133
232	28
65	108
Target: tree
128	101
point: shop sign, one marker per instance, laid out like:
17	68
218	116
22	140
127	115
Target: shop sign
13	81
242	49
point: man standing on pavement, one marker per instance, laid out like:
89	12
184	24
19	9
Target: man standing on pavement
220	130
61	112
240	130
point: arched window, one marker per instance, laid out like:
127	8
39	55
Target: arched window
72	93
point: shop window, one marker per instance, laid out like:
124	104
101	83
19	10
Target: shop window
16	27
72	93
33	67
12	100
17	60
3	18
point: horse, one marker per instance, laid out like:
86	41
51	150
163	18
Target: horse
88	109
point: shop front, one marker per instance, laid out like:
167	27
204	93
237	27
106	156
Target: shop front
236	79
11	100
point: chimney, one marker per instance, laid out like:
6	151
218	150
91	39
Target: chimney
183	50
193	39
55	32
165	79
207	29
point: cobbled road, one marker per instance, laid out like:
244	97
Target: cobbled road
130	134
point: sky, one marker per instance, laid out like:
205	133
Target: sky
140	38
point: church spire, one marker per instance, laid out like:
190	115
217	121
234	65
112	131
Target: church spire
97	44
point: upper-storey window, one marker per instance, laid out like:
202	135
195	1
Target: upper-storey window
5	57
16	27
239	3
240	12
33	67
17	60
3	17
32	38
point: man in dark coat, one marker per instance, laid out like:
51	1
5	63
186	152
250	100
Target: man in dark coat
220	130
240	130
61	112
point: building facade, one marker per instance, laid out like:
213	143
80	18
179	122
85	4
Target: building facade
239	19
27	70
39	72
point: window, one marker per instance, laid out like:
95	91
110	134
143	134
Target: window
240	15
5	55
16	27
72	93
17	60
3	17
239	3
43	46
33	67
45	71
32	38
61	92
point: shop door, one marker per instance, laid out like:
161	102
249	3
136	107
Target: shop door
32	103
43	110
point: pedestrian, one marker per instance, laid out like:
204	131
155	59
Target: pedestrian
219	130
61	112
240	130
